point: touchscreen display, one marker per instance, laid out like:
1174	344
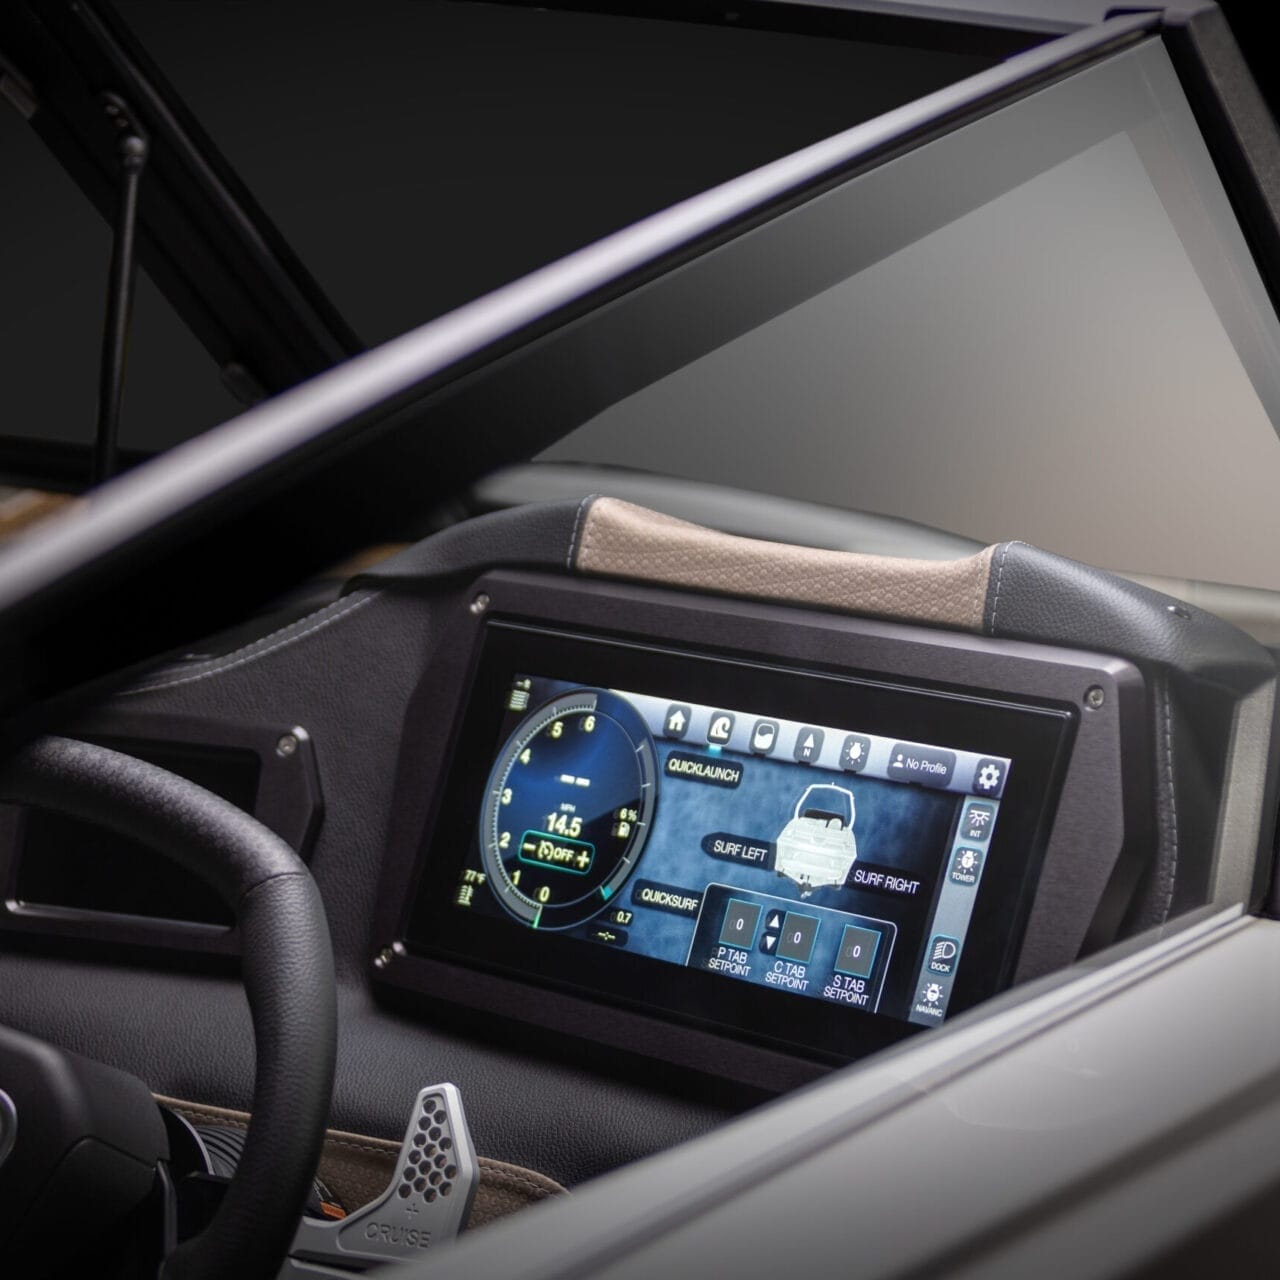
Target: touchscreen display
806	858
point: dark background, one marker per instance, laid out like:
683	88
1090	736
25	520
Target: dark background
416	155
419	153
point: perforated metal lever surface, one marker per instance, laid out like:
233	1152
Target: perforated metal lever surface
425	1204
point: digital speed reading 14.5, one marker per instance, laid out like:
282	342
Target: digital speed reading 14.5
567	808
813	860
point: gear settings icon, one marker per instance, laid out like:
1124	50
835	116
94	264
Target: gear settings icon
988	779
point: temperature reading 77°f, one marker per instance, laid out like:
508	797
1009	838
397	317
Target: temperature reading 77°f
568	805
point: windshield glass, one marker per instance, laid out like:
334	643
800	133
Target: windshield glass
419	153
1044	326
54	251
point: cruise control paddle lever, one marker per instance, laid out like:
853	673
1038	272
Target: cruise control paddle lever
425	1205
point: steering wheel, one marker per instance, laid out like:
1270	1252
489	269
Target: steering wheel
287	971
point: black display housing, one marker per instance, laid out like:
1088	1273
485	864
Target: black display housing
1094	821
1035	737
68	882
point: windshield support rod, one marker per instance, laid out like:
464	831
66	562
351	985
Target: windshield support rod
131	150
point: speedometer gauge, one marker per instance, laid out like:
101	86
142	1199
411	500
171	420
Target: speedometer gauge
567	809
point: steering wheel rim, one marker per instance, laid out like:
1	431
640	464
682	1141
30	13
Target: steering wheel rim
286	967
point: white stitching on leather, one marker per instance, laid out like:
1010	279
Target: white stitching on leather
337	608
995	601
251	652
1173	799
577	524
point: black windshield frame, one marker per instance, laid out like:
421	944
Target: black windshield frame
370	437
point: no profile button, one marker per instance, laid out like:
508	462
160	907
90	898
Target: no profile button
928	766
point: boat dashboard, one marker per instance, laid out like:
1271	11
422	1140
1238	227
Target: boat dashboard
608	805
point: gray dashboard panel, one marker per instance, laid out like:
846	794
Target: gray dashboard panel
344	674
985	1143
347	674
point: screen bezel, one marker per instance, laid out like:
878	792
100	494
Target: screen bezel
1035	735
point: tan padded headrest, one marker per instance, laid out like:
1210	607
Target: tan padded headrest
617	539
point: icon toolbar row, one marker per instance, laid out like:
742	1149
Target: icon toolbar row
906	762
764	737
